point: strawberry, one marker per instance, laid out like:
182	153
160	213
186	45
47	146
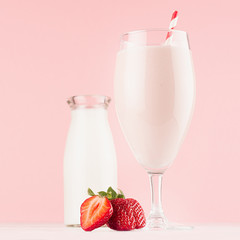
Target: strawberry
138	213
95	212
113	209
127	213
123	216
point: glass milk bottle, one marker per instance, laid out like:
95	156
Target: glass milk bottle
90	158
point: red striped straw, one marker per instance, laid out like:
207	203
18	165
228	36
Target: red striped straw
172	25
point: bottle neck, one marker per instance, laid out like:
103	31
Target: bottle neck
89	114
88	101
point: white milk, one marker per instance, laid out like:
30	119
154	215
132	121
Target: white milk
154	95
89	161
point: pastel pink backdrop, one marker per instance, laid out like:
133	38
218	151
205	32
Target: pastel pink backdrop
50	50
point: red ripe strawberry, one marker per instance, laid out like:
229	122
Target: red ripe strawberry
123	216
127	215
111	208
138	213
95	212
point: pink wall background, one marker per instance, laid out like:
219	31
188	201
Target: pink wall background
50	50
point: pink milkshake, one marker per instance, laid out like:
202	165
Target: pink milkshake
154	95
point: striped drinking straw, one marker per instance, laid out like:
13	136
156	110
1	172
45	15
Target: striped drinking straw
172	25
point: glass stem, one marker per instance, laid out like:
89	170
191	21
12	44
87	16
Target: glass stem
156	196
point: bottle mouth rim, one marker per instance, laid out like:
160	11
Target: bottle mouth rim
88	101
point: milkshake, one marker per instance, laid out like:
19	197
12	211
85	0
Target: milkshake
154	95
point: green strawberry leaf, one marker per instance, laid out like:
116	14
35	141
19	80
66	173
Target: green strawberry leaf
111	193
120	191
90	192
109	196
102	194
120	196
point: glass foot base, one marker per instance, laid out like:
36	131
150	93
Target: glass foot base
158	224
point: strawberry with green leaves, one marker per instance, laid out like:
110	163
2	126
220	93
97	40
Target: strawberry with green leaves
113	209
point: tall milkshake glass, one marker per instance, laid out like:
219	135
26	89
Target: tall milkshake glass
154	90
